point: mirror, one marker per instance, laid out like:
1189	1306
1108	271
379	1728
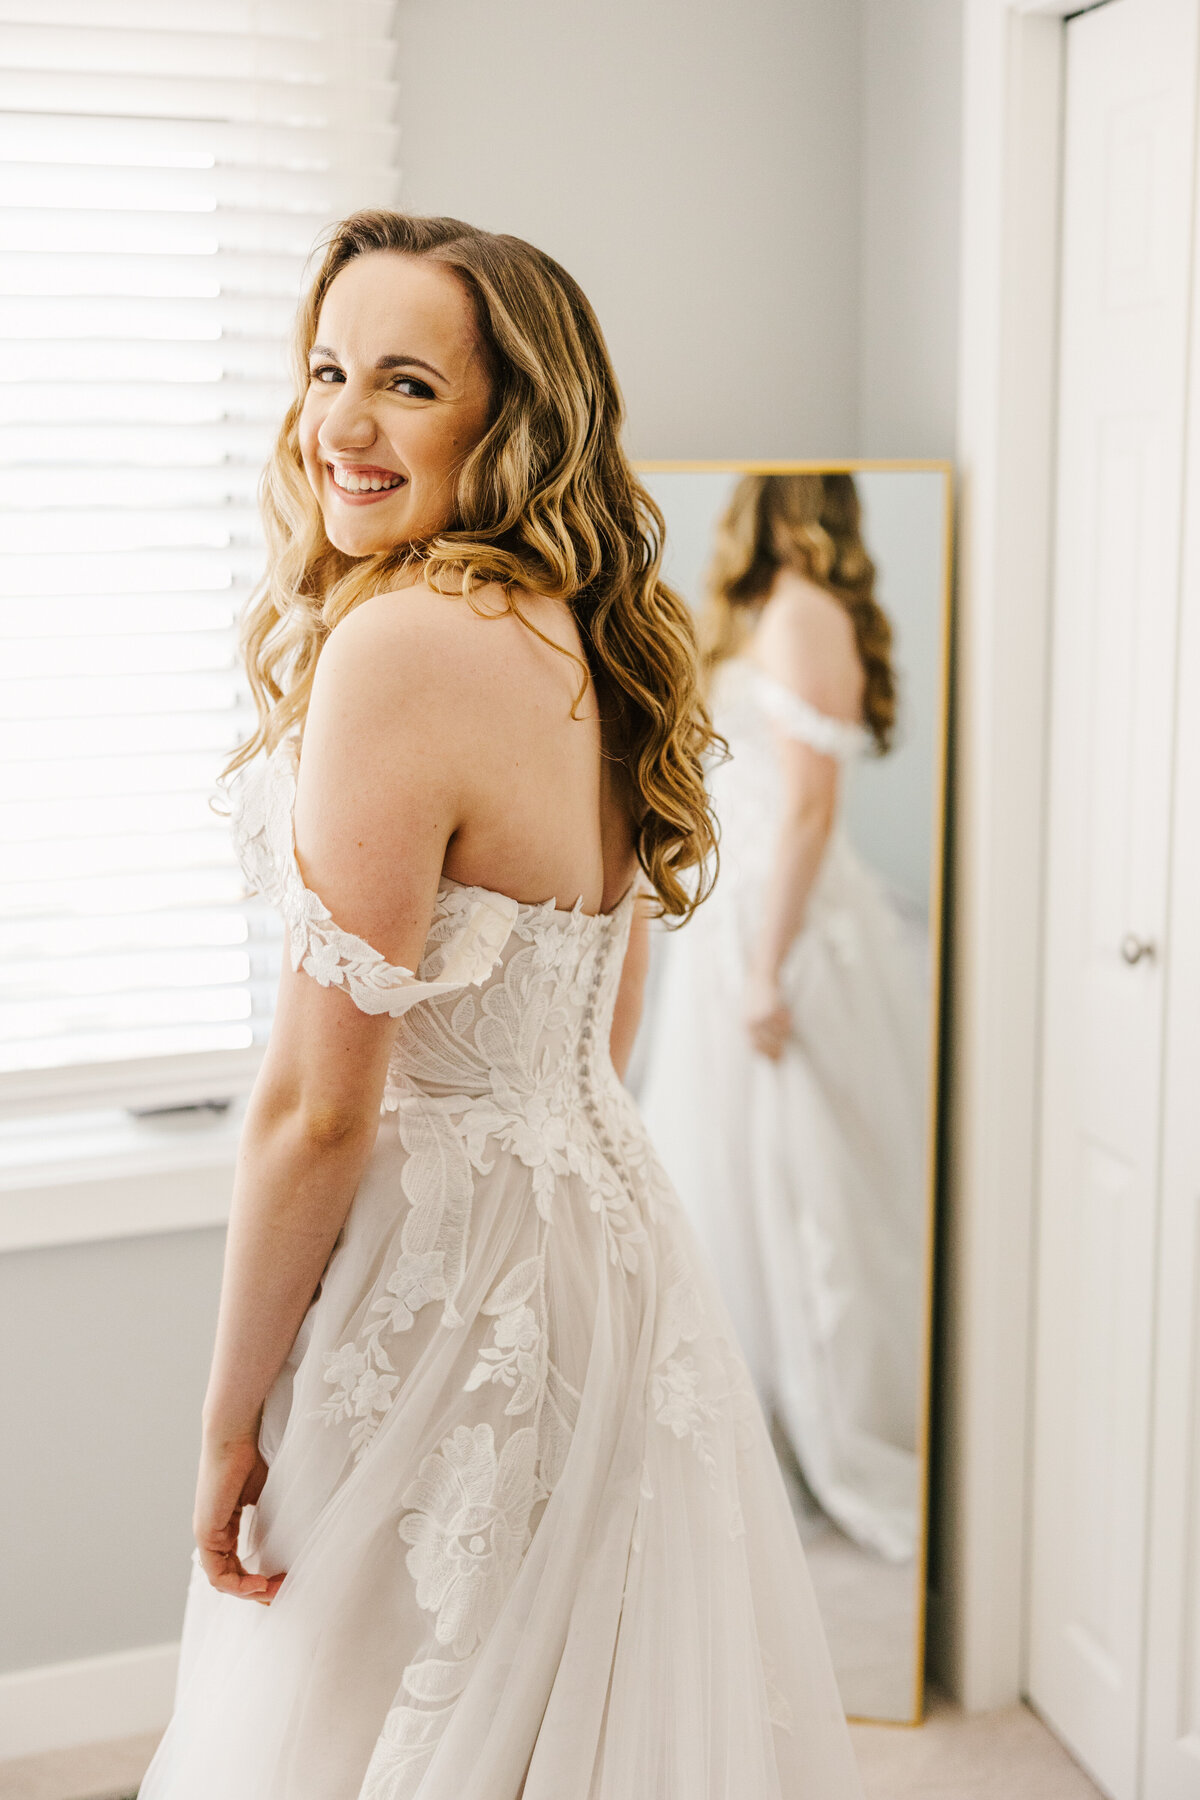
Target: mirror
822	592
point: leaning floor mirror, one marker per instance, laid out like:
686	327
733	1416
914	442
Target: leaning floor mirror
787	1058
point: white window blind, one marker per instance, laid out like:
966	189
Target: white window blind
164	172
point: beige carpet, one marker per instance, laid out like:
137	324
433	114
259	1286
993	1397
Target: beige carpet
987	1756
869	1610
1006	1755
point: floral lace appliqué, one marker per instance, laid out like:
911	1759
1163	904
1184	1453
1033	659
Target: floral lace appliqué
517	1355
468	1522
468	1528
698	1392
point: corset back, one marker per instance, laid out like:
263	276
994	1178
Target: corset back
532	1025
510	999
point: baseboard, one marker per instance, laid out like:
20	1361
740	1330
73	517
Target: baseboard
87	1702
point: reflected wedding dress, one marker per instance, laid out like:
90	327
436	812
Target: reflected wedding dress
804	1177
536	1540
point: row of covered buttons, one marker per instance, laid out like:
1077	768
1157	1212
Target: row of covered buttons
585	1048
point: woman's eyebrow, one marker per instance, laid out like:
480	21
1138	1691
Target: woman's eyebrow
415	362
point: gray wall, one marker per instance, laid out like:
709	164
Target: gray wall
105	1349
695	165
759	200
911	163
762	201
889	807
890	811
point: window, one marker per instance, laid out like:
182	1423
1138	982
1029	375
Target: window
162	189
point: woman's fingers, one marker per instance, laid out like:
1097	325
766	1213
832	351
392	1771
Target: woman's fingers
226	1574
768	1017
231	1478
769	1035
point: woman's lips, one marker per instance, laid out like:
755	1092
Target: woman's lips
368	495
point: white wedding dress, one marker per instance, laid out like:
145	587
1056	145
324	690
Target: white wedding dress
805	1178
536	1540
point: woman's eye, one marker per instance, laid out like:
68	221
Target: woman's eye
413	387
324	370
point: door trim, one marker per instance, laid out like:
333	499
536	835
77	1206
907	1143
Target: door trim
1012	127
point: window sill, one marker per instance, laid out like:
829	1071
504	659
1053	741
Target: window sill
108	1175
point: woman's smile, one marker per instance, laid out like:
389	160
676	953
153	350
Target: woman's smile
358	484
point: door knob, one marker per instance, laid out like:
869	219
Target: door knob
1134	948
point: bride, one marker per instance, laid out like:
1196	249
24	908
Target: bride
486	1505
785	1082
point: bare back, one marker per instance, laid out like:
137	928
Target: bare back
442	739
548	814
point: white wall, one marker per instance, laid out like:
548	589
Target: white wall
696	166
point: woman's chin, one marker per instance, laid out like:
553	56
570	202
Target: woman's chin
363	540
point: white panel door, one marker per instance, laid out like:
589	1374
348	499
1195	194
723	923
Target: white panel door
1172	1725
1127	230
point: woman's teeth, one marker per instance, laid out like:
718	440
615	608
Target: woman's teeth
364	484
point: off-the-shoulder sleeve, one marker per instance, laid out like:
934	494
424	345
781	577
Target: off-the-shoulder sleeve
806	723
469	934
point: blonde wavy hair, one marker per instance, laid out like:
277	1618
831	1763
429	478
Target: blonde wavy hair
546	501
811	524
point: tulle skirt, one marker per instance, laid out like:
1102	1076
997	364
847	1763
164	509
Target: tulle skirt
807	1180
538	1547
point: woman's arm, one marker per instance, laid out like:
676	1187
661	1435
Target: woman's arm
309	1128
378	799
810	808
805	640
299	1163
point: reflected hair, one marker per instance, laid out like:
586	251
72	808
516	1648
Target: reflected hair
812	525
546	501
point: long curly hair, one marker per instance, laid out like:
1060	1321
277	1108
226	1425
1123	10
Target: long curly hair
811	524
546	501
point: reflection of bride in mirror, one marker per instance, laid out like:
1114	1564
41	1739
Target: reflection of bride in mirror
786	1079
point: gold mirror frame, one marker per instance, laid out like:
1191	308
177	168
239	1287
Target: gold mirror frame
938	951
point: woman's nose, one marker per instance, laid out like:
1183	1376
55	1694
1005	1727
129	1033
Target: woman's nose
348	425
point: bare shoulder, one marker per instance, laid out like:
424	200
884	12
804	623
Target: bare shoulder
417	656
414	626
806	638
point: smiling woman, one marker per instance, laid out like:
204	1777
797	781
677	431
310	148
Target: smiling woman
479	1443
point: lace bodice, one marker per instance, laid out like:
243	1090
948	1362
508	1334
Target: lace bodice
509	999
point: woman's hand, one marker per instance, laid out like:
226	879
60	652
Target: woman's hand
767	1016
232	1473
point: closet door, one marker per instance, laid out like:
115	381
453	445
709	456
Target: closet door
1127	229
1172	1728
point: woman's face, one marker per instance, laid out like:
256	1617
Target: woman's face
398	396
